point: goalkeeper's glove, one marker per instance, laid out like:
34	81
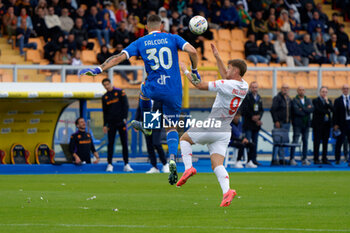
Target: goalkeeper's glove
91	72
196	78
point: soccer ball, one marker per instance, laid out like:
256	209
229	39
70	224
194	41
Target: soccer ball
198	25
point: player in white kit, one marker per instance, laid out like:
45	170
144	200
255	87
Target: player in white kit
231	91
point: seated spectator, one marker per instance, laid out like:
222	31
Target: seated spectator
283	22
239	141
24	15
294	50
130	23
43	6
57	6
139	28
306	14
163	15
201	6
244	17
229	17
333	49
282	51
10	23
294	21
258	26
123	73
343	40
39	25
76	61
67	22
186	17
80	13
81	36
94	25
323	16
53	23
318	31
314	23
23	33
122	13
308	53
52	47
266	49
334	24
25	4
320	49
108	27
175	19
122	35
62	57
81	144
272	27
103	55
215	19
72	45
252	51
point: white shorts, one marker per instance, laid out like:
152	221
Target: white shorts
216	142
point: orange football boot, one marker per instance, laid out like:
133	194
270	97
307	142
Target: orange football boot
187	174
227	199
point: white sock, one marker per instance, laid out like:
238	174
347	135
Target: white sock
223	178
186	153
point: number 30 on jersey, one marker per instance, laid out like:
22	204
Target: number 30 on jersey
160	61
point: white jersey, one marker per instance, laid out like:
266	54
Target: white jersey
230	95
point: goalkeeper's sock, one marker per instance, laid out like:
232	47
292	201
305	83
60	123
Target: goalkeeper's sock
223	178
186	152
172	139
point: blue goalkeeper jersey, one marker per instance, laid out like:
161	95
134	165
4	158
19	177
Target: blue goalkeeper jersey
159	53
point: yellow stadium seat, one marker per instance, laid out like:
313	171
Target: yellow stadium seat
302	81
215	34
237	46
312	82
224	46
33	56
290	81
71	78
329	82
86	79
237	55
6	77
249	79
265	82
224	34
339	81
56	78
237	34
88	57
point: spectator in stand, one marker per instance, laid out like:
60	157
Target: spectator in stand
333	48
315	22
323	16
294	21
94	24
162	12
258	26
130	23
81	144
320	49
10	23
254	6
321	124
122	35
67	22
229	17
76	61
281	115
266	49
108	25
283	22
334	24
294	50
301	118
341	121
252	51
282	51
238	140
72	45
122	13
318	31
103	55
200	6
244	17
62	57
56	4
181	6
343	40
186	17
215	19
80	13
306	14
252	112
53	23
139	28
272	27
308	53
52	47
136	9
123	73
81	36
43	6
25	16
22	36
175	19
39	25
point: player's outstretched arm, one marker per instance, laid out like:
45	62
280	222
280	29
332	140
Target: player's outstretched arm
220	63
193	55
110	62
197	83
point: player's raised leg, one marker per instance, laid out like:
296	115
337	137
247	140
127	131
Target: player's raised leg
217	161
186	153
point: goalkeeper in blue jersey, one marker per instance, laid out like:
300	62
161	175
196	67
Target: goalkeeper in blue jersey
163	83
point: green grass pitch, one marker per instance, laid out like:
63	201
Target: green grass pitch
265	202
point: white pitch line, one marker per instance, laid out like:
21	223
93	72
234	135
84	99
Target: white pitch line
179	227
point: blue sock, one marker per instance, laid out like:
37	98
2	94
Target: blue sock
145	104
172	139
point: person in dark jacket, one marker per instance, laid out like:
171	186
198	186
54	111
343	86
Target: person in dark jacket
94	23
301	118
229	17
294	49
333	48
308	53
153	142
252	51
258	26
81	144
281	116
103	55
81	35
341	120
267	50
321	124
343	40
22	36
252	111
115	108
122	35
